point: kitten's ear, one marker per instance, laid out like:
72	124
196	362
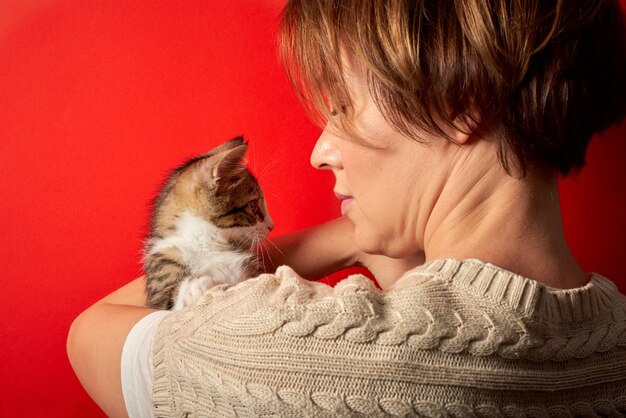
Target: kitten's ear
235	142
229	168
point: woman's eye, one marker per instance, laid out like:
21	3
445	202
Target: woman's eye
343	109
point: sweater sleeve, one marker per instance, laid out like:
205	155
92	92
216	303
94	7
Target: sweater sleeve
209	358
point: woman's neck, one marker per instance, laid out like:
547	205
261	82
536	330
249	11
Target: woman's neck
513	223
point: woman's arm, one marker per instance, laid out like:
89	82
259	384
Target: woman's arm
324	249
313	252
96	339
97	336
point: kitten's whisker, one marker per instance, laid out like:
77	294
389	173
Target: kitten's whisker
257	247
258	243
267	167
273	194
251	239
241	245
278	249
264	246
261	246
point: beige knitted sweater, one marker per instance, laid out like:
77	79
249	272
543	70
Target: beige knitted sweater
450	338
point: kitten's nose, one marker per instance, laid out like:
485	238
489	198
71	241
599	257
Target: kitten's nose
268	223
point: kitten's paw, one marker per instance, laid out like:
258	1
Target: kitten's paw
193	289
198	287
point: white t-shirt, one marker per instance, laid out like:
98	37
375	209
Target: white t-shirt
137	371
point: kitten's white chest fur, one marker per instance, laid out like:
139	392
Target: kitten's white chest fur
205	249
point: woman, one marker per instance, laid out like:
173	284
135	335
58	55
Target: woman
446	125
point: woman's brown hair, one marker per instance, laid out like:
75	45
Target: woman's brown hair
542	75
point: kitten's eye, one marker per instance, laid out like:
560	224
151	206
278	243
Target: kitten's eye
235	210
252	205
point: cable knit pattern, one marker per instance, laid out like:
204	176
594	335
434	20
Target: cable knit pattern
450	338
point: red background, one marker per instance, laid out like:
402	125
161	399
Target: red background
100	99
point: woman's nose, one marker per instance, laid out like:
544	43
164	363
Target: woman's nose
326	154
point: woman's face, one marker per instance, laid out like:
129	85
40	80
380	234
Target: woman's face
387	182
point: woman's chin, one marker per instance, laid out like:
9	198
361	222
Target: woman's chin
374	243
370	242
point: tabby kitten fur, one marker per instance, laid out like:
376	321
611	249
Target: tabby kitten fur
206	218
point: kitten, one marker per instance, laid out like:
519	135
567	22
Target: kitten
205	220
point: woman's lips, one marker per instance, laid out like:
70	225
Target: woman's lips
345	202
344	205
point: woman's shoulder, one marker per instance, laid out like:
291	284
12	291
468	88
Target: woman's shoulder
278	336
452	305
534	321
424	308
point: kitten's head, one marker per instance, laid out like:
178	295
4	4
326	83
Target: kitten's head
218	188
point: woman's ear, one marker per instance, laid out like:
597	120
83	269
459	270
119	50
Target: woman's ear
463	127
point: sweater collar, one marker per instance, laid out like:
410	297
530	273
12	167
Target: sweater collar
530	298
